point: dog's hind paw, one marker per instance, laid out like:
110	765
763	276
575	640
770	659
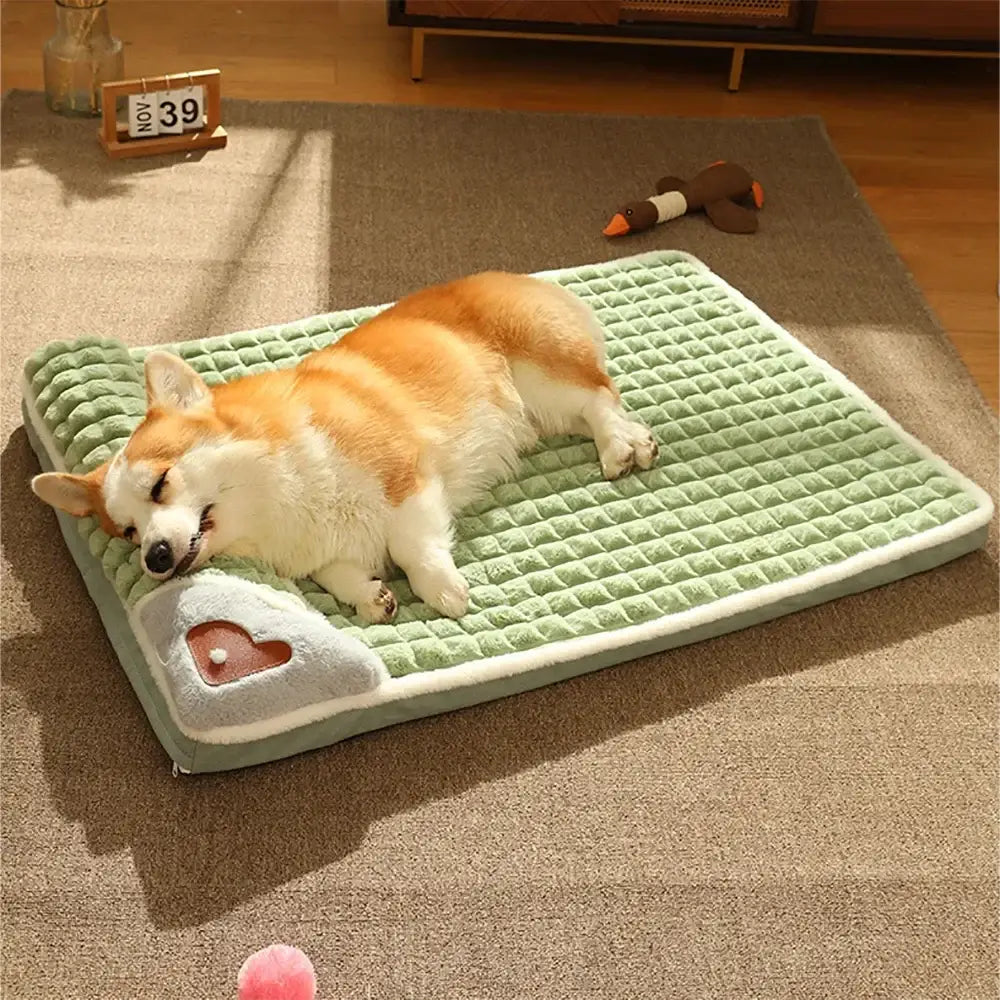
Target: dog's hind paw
647	451
633	446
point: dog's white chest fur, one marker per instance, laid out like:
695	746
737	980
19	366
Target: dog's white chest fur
301	506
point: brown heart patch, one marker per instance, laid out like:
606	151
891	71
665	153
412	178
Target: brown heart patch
236	655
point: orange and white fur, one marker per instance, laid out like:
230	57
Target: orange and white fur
365	451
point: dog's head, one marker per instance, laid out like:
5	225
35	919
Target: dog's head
159	490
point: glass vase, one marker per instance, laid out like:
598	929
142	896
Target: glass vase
80	56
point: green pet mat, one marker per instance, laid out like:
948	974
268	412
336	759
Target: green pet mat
779	486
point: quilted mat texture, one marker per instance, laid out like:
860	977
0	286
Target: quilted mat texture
768	470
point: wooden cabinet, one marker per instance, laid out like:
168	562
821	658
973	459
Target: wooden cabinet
551	11
928	27
927	20
940	20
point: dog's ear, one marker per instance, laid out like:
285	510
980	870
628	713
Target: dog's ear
73	494
173	383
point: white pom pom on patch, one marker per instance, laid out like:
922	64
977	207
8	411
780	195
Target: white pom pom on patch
218	656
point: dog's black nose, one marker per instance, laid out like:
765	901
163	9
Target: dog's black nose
159	558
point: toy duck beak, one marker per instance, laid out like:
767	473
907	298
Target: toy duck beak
617	226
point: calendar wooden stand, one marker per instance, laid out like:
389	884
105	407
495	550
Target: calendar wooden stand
116	140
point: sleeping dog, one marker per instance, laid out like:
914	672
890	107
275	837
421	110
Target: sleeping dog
365	451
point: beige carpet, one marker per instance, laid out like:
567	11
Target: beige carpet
807	809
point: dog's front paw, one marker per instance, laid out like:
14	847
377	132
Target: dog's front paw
617	458
449	594
380	607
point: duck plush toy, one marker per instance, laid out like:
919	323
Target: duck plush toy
718	189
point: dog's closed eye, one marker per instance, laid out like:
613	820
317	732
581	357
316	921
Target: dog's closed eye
207	522
157	491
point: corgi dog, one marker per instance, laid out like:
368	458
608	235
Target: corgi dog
364	452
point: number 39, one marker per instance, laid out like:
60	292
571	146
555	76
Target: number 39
189	112
180	110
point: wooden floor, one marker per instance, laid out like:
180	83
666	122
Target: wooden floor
919	135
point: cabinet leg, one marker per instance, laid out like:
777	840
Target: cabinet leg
736	67
416	54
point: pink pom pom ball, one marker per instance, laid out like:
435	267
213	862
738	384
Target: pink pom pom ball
278	972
